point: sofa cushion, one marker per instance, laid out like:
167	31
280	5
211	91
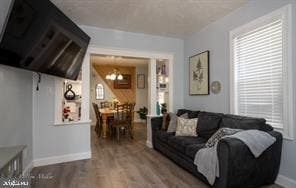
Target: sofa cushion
243	122
163	136
208	124
192	149
193	114
182	111
180	142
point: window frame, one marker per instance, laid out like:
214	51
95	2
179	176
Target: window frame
285	13
97	93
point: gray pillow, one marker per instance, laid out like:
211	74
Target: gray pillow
173	121
219	135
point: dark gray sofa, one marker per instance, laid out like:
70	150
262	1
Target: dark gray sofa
238	167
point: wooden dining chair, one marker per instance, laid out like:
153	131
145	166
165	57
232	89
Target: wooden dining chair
132	105
105	104
99	126
122	119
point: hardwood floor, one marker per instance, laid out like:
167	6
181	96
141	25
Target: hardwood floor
127	163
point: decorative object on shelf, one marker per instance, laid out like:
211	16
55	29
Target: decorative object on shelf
199	74
66	114
69	94
157	108
125	83
115	75
163	69
141	81
163	87
216	87
159	71
163	108
143	112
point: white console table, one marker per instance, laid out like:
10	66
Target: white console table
11	161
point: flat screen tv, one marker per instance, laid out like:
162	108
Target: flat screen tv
37	36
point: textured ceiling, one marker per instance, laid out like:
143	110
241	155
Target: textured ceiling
117	61
172	18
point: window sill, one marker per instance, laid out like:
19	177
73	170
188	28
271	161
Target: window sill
72	123
285	135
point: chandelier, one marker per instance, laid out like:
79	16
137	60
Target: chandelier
115	75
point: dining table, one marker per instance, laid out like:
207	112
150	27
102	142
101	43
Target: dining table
109	112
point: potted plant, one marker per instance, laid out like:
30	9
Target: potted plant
163	108
143	113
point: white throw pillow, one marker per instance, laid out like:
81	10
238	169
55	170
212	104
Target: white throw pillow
186	127
173	121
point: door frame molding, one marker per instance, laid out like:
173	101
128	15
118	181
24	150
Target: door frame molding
102	50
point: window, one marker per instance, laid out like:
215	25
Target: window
261	70
99	92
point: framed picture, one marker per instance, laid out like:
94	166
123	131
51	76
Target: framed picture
141	81
125	83
199	74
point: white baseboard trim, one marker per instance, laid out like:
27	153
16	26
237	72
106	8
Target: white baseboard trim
28	168
149	144
61	159
285	181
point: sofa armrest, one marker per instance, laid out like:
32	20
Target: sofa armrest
156	123
239	168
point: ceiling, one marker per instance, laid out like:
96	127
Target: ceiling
117	61
171	18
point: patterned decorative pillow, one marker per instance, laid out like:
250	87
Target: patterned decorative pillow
186	127
173	122
219	135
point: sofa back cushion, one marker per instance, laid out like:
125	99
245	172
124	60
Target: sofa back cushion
182	111
193	114
208	124
243	122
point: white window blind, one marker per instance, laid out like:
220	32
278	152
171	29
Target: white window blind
258	73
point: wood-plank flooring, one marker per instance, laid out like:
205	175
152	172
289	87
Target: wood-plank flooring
127	163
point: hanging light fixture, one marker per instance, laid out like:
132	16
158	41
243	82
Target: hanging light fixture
108	76
115	75
119	77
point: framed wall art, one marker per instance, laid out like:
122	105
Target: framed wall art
199	74
125	83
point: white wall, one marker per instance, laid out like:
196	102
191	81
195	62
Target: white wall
215	37
141	94
54	141
15	103
127	40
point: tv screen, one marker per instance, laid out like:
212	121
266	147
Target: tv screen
40	38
